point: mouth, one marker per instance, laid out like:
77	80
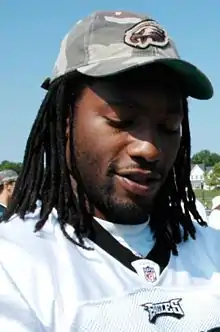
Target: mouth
141	183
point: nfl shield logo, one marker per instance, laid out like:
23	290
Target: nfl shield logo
150	274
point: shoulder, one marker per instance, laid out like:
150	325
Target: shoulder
205	248
20	234
21	248
41	255
28	268
214	219
36	269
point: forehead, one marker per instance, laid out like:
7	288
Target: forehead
154	85
151	73
152	78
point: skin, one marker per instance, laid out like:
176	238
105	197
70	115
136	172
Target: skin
123	124
7	192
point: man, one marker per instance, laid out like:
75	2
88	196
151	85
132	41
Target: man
7	182
108	164
214	217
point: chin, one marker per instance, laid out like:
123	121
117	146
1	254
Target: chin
127	212
141	202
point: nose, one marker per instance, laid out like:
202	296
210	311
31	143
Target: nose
144	150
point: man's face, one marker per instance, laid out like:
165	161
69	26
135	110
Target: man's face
10	188
126	138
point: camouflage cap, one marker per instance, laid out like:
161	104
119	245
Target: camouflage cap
8	175
107	43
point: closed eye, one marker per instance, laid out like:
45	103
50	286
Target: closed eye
120	124
169	130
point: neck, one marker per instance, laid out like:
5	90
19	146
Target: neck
116	228
130	222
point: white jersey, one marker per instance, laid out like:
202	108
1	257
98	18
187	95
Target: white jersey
48	284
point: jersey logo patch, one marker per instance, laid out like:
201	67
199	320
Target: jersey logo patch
147	270
169	308
150	274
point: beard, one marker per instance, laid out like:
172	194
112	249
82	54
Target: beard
102	194
126	213
112	208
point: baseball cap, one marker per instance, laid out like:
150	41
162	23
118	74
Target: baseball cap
111	42
8	175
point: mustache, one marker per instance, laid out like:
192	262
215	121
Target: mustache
153	168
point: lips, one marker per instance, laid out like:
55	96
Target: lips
139	182
141	177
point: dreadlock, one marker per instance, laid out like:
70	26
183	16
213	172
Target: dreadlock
172	221
45	176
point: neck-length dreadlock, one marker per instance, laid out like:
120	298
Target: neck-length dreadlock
45	176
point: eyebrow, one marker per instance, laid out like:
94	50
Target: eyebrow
110	91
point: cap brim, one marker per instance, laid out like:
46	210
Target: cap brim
10	179
196	83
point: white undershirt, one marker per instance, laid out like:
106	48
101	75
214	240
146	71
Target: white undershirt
137	238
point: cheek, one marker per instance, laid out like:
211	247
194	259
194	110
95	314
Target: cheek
171	148
91	148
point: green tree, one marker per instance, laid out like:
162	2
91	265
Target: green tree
5	164
212	178
206	157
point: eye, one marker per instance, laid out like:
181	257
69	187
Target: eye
120	124
169	129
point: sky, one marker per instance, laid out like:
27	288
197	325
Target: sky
30	36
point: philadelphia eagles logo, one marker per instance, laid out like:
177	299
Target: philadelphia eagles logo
146	33
168	308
